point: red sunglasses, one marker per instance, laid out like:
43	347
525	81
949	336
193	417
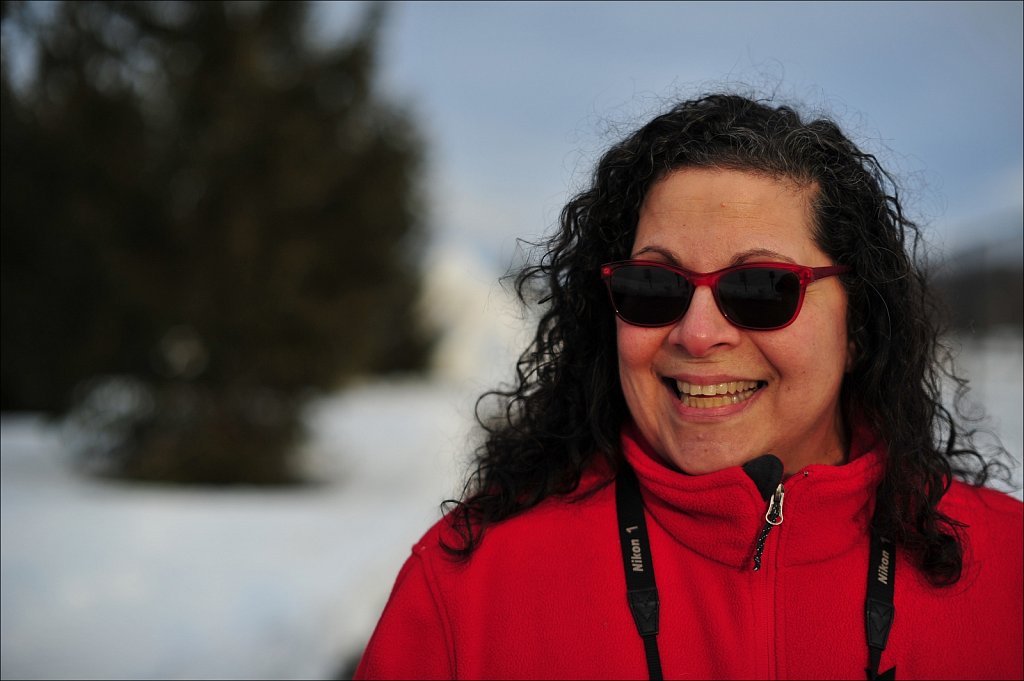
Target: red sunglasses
761	296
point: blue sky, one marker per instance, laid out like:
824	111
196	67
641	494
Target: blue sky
518	99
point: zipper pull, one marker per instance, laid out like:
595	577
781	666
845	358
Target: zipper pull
772	517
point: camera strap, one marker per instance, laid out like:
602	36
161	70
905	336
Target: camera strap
879	610
642	592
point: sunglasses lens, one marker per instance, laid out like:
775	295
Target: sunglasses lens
649	296
759	298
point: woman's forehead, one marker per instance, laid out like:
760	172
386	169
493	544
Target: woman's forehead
707	217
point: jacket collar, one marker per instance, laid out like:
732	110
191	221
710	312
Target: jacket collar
826	512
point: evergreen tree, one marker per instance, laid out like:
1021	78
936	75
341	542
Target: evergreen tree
205	220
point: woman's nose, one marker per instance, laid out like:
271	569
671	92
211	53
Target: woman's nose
703	329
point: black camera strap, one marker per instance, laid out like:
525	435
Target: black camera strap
642	592
879	610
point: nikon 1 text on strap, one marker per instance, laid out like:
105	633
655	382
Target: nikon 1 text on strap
879	610
642	593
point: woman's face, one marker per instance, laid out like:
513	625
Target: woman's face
703	220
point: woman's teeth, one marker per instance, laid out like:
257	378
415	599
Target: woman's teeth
715	394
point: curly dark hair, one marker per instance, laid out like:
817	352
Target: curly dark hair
566	407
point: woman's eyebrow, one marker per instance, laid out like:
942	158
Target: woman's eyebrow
744	256
663	252
737	259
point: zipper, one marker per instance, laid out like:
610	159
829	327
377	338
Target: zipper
772	517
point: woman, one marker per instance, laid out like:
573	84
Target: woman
725	456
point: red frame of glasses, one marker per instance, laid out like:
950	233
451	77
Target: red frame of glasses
807	275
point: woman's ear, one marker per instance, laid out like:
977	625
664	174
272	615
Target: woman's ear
851	355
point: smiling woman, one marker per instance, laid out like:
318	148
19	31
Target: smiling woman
705	219
734	385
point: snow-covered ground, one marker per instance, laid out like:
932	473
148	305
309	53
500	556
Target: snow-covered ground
118	581
115	581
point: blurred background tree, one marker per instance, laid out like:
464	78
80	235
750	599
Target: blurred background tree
206	220
982	286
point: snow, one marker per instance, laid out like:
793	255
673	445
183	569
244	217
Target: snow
112	581
995	366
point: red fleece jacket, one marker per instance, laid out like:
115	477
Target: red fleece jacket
544	595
